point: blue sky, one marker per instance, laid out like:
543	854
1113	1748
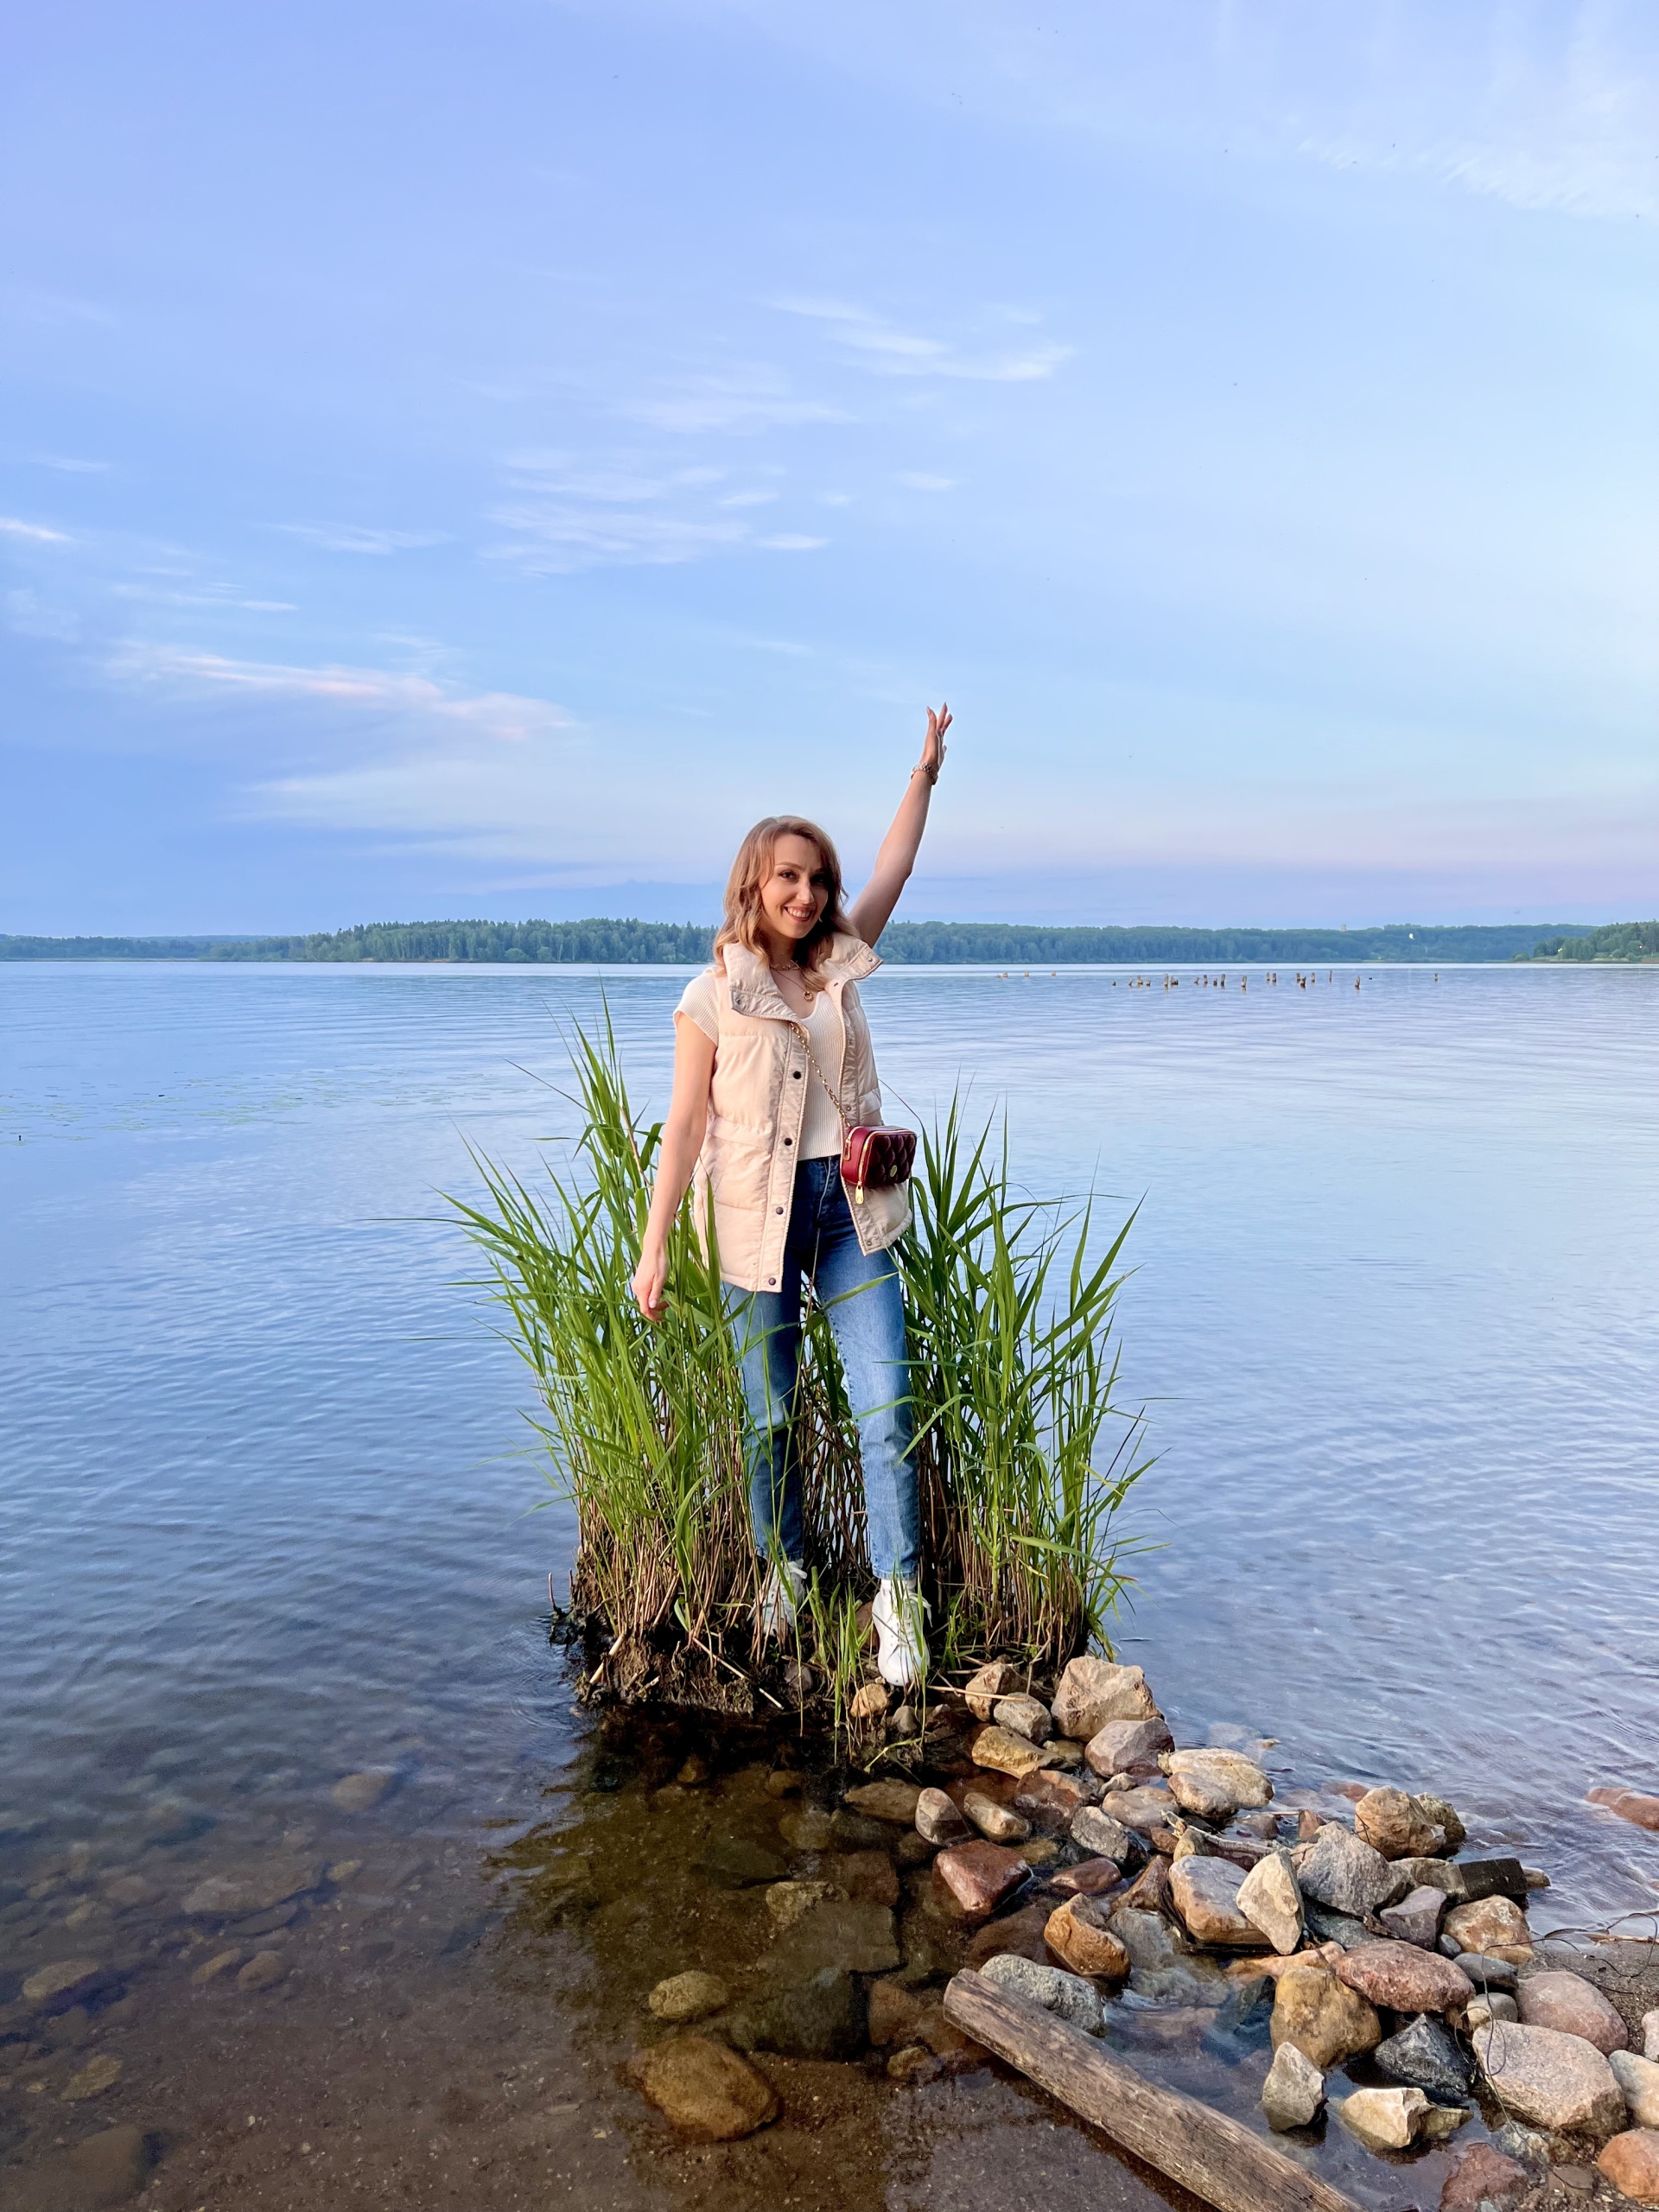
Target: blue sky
473	459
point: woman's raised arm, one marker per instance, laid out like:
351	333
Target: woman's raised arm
872	909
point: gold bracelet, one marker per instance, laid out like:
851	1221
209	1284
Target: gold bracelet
922	769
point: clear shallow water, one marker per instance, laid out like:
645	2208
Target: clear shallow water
262	1517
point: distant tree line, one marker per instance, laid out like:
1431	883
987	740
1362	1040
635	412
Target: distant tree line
1617	941
1003	944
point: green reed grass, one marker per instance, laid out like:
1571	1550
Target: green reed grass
1012	1376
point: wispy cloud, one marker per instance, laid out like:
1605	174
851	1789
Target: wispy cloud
36	532
349	537
626	513
918	480
882	347
502	714
744	398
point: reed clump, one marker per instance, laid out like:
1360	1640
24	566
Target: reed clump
1023	1459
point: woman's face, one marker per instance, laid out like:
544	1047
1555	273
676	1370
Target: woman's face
796	892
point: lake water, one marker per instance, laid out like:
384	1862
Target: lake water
266	1513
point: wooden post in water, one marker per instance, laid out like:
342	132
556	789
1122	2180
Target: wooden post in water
1225	2164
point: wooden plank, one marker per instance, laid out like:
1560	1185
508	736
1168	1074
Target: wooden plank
1226	2165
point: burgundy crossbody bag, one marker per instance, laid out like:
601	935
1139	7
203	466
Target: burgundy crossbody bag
874	1157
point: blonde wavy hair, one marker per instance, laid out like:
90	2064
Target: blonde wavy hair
753	866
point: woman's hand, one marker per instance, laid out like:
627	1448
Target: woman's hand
648	1279
933	744
872	909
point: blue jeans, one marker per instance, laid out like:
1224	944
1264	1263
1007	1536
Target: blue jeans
860	1292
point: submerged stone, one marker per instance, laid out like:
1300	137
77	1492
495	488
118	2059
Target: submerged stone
703	2090
823	2015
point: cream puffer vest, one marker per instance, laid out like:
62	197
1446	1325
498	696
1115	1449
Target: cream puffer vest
757	1101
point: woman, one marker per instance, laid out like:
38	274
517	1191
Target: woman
772	1064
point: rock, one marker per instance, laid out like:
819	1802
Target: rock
1567	2002
1650	2034
1495	1926
732	1862
690	1996
695	1772
95	2076
1416	1918
1480	2012
915	2062
895	2012
1432	1873
1382	2120
938	1818
1148	1810
1041	1851
1484	2180
847	1933
980	1875
1215	1783
1269	1900
1340	1929
821	2016
1639	2078
60	1979
1440	2122
1444	1817
913	1850
1629	1805
1149	1891
1005	1752
1397	1825
106	2169
892	1802
1294	2091
1067	1995
1487	1974
1327	2021
1404	1978
1122	1746
1151	1943
1024	1716
1078	1934
1428	2056
1630	2162
1024	1932
210	1970
1048	1798
264	1970
1091	1878
1205	1892
343	1870
1094	1830
703	2090
870	1702
869	1876
1529	2144
998	1680
904	1724
362	1792
1493	1878
782	1782
1556	2080
255	1886
993	1820
125	1891
1091	1692
1340	1870
857	1831
810	1829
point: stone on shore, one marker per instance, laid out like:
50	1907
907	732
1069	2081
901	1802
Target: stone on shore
1442	1874
980	1875
848	1934
1382	2120
1650	2034
1484	2180
1642	1812
1149	1891
1215	1783
1327	2021
939	1819
1205	1892
1555	2080
1050	1798
1481	2011
1428	2056
1567	2002
1023	1715
894	1802
823	2015
1148	1810
1494	1926
1404	1978
1066	1995
1121	1746
1494	1878
59	1979
1487	1974
1639	2078
1000	1679
993	1820
1024	1931
1630	2162
1416	1918
1079	1937
690	1996
1270	1900
1091	1692
362	1792
1398	1825
1294	2091
1340	1868
703	2090
1445	1817
870	1702
1090	1878
896	2012
1003	1751
1094	1830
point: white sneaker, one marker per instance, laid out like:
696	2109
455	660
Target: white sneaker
899	1613
780	1602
